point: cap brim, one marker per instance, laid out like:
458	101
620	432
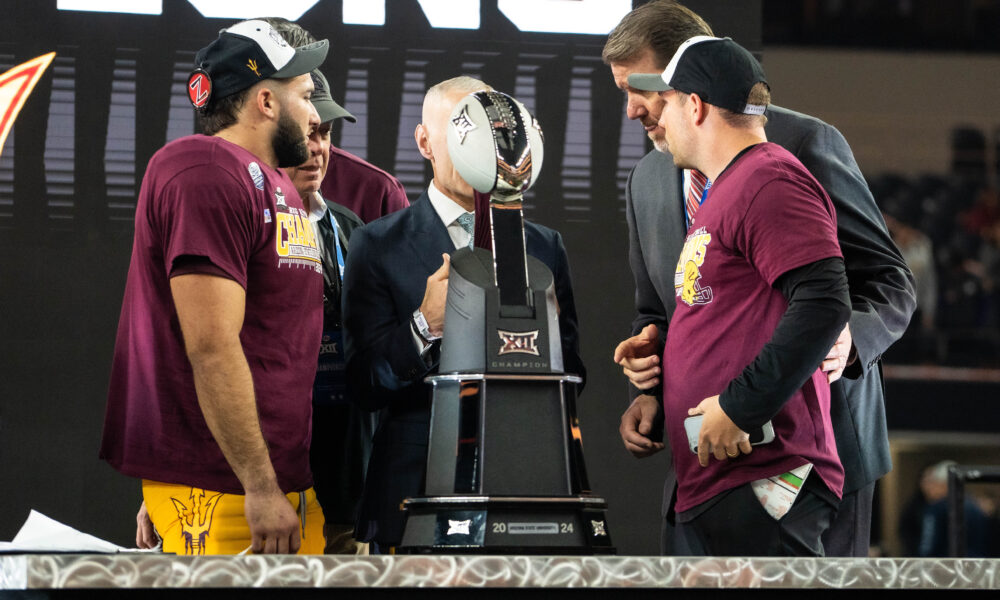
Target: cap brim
649	82
329	110
306	59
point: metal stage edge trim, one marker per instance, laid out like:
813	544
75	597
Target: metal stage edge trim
154	570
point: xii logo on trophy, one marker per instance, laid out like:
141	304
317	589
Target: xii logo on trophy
523	342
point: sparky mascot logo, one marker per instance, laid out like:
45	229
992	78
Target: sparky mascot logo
196	520
687	277
15	87
512	342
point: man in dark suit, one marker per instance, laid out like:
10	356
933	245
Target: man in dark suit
395	286
881	285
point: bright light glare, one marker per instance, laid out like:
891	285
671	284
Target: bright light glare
248	9
448	14
596	17
364	12
136	7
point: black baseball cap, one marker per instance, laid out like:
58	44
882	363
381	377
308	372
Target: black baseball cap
244	54
719	70
326	106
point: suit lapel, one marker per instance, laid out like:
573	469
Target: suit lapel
429	238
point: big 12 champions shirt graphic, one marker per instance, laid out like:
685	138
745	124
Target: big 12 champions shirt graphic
687	278
295	238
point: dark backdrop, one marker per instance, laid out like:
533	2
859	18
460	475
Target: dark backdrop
71	168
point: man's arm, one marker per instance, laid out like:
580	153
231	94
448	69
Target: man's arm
818	308
641	426
210	310
882	289
644	366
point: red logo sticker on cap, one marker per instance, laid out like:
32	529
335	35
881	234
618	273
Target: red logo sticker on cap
199	88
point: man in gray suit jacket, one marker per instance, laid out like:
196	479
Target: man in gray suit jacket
881	285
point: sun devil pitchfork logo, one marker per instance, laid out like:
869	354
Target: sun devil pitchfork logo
520	342
196	519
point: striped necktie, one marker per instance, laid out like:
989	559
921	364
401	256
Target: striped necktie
696	190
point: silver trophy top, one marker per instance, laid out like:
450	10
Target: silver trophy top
496	145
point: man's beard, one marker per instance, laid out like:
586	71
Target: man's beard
660	143
289	143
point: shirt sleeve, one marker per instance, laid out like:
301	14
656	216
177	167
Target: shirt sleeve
818	308
788	224
202	212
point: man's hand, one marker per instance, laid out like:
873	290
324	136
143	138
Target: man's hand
637	423
145	533
839	356
274	526
718	435
639	357
435	295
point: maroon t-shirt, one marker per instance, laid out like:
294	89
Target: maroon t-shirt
765	216
361	186
206	197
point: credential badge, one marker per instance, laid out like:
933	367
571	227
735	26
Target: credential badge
522	342
463	124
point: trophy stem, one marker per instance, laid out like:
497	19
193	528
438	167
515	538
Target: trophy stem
510	267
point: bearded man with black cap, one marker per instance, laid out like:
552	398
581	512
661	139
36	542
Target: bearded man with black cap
211	383
761	297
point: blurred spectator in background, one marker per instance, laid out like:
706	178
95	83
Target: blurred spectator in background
984	213
918	252
948	231
989	258
923	526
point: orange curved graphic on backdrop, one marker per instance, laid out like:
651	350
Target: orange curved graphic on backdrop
15	87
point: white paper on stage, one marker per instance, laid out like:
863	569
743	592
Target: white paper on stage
43	534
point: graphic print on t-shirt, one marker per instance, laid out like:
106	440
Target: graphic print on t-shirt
687	278
295	239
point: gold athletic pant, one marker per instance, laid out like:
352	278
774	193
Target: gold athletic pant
196	521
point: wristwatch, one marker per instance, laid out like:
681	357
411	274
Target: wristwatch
421	327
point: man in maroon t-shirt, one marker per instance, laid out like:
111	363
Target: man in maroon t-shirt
211	382
362	187
761	297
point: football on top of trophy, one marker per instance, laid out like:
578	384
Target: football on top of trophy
495	144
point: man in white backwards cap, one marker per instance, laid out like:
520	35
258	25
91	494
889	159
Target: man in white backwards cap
761	297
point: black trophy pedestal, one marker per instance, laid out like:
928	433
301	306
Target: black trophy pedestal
505	471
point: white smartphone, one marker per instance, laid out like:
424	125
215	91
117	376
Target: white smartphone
692	425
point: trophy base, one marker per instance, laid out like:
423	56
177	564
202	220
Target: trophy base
505	525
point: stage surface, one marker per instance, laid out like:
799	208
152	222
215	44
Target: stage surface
147	570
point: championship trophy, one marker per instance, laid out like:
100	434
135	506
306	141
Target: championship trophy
505	469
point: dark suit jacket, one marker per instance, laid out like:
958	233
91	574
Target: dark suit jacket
386	274
881	285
